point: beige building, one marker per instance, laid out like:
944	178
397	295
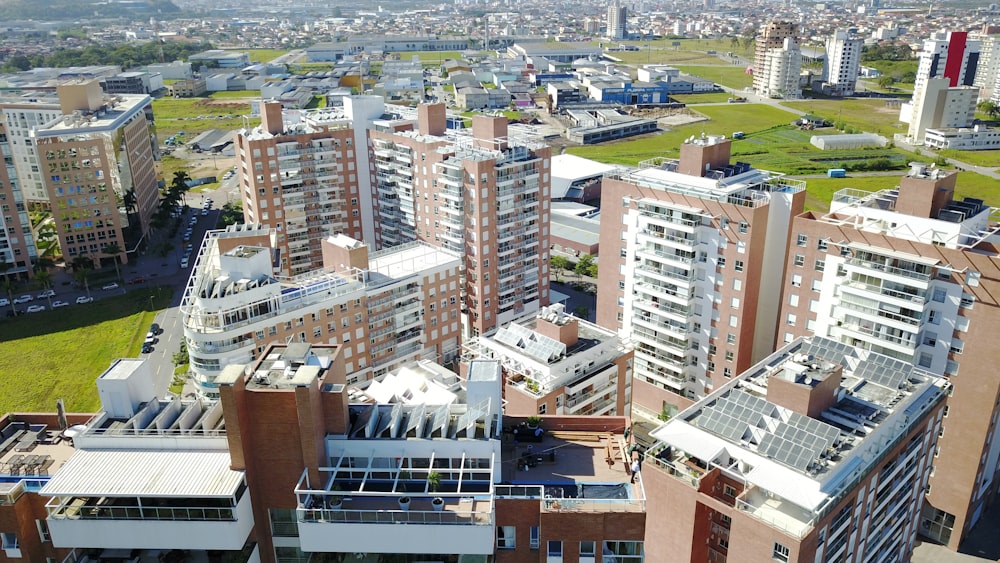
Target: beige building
98	164
911	273
17	247
769	49
383	309
691	262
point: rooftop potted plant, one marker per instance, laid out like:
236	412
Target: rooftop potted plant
433	483
404	501
534	422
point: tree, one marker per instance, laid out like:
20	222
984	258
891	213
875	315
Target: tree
81	276
559	263
112	249
586	266
581	311
886	81
8	288
45	278
989	108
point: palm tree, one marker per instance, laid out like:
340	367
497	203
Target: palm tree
112	249
81	275
8	288
44	277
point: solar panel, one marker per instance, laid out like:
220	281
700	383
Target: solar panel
722	424
757	404
787	452
886	374
508	338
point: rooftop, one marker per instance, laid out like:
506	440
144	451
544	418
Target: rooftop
119	109
285	367
802	463
400	262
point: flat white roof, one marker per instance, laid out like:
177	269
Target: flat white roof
568	168
406	260
129	473
122	368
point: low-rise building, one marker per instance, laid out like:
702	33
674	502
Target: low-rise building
221	59
975	138
188	88
555	363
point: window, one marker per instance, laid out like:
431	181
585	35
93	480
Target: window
939	295
744	227
722	262
815	286
555	548
730	338
727	372
951	367
733	321
724	543
587	549
800	259
801	240
737	285
957	346
780	552
821	245
967	301
796	280
790	320
819	265
43	530
11	547
735	303
541	408
729	355
739	265
506	537
623	551
793	300
533	537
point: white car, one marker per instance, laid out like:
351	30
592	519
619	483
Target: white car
47	293
57	304
36	308
204	212
23	299
83	299
4	302
110	286
184	262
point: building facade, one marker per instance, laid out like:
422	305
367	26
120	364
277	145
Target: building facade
98	164
19	119
555	363
484	195
772	37
820	452
943	91
617	21
17	246
842	63
910	272
779	75
692	254
383	309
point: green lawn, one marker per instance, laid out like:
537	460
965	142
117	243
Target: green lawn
262	55
196	115
236	94
706	98
430	56
873	115
820	190
665	56
731	76
303	68
59	354
978	158
895	69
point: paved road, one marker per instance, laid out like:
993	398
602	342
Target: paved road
576	298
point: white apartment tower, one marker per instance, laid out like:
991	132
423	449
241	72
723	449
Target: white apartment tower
943	91
780	73
692	255
617	16
842	62
772	37
20	117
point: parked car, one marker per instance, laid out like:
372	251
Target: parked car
150	338
204	212
23	299
57	304
137	279
83	299
4	302
155	329
110	286
184	262
147	348
36	308
47	293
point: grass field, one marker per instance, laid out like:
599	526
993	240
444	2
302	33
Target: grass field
666	56
820	190
235	94
706	98
427	57
895	69
196	115
45	356
262	55
979	158
872	115
731	76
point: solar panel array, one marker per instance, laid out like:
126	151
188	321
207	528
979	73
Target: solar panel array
788	452
533	344
722	424
827	349
883	370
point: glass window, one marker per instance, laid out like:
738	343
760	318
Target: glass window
801	240
623	551
534	537
587	549
506	537
780	552
555	548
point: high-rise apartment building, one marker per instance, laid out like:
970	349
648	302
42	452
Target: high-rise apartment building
771	38
617	21
383	309
780	72
820	452
692	256
555	363
17	247
988	69
943	91
842	63
912	273
20	117
484	194
98	164
307	177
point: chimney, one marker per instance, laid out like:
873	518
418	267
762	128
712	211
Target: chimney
431	119
270	118
925	191
342	253
698	156
489	132
553	322
805	385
